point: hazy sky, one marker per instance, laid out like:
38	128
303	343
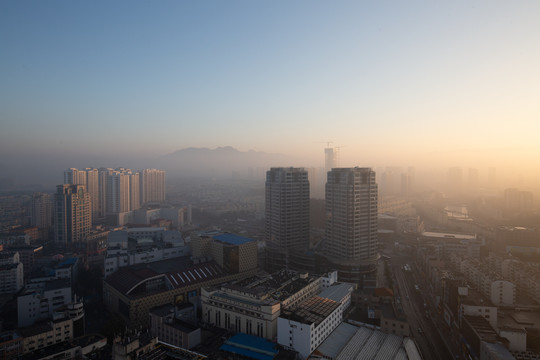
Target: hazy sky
394	82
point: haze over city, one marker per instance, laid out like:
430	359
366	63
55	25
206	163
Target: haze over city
392	83
270	180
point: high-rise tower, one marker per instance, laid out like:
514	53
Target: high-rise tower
42	213
72	214
89	178
287	214
152	186
351	225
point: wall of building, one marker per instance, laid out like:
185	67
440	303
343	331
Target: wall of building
517	338
59	331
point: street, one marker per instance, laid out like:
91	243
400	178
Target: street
426	333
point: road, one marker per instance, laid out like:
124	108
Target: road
429	340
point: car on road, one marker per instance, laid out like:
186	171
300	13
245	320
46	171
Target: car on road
420	330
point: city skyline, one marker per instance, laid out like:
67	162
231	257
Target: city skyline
393	84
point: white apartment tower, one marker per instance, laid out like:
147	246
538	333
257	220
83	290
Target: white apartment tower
287	214
118	192
72	214
103	179
351	225
287	207
152	186
134	190
42	211
90	179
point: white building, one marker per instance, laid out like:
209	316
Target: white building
39	300
503	292
119	238
253	305
306	327
340	293
487	280
517	337
73	214
287	214
88	177
40	336
11	272
152	186
42	212
117	258
446	244
487	311
352	224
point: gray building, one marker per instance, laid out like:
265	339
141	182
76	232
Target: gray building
72	214
39	300
351	225
287	214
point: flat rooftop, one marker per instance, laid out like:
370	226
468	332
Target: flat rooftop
482	328
448	235
250	346
312	311
366	342
337	292
232	239
279	285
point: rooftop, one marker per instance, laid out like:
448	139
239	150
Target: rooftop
482	327
183	326
165	351
448	235
312	311
232	239
337	292
250	346
179	272
35	329
279	285
349	342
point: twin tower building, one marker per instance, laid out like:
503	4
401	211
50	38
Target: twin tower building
349	244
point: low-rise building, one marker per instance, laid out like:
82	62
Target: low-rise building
308	325
489	281
118	258
446	244
44	334
11	272
133	346
168	327
348	341
476	332
133	290
27	253
393	322
233	253
253	305
39	300
11	345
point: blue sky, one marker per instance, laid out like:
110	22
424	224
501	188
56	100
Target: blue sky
392	82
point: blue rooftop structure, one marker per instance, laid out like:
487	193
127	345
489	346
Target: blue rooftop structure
69	261
250	346
245	352
232	239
